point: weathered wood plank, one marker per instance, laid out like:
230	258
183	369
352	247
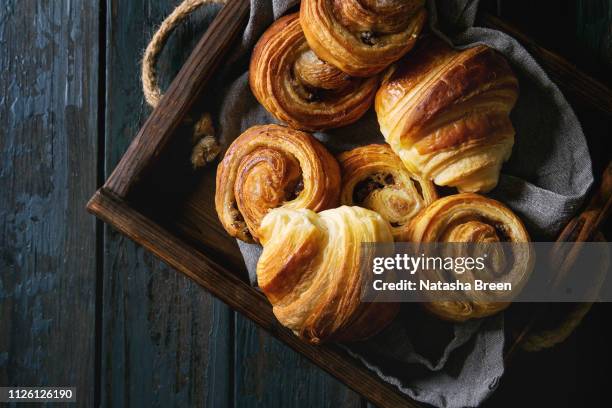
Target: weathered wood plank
270	374
162	124
578	30
579	88
165	341
48	150
594	30
594	34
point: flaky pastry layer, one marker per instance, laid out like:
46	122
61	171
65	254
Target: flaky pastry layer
475	219
273	166
310	272
299	88
362	37
446	114
374	177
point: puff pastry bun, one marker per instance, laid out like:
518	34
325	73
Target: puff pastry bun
472	218
300	89
375	178
310	272
272	166
362	37
446	114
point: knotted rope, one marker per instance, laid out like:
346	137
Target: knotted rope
205	146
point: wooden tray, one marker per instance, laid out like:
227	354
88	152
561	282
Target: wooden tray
156	199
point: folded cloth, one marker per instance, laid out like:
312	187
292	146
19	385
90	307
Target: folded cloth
545	182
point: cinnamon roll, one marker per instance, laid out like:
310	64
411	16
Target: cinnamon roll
271	166
477	221
446	114
362	37
300	89
310	270
375	178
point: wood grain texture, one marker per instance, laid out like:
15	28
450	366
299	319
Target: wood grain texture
578	30
594	29
165	341
269	374
594	35
239	295
196	221
48	147
579	88
179	97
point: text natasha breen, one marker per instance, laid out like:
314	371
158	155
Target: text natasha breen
430	285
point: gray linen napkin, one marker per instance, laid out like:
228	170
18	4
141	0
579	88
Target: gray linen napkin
545	182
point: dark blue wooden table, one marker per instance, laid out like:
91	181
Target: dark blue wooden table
81	305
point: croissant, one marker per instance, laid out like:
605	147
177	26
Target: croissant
375	178
272	166
298	88
446	114
472	218
362	37
310	272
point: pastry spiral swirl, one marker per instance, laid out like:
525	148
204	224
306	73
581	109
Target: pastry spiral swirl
271	166
310	272
474	219
362	37
298	88
446	114
375	178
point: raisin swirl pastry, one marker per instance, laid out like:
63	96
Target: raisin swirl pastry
375	178
362	37
298	88
271	166
446	114
474	219
310	270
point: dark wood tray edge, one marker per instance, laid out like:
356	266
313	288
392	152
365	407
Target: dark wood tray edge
240	296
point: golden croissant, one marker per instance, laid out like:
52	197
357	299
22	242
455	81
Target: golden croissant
475	219
272	166
310	270
300	89
375	178
446	114
362	37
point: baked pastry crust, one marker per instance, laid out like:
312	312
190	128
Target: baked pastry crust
300	89
473	218
374	177
362	37
271	166
446	114
310	270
